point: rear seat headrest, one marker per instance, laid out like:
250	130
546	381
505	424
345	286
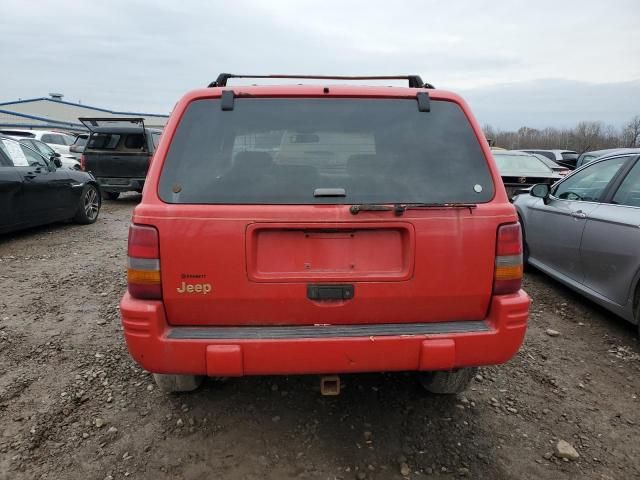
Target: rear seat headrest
367	163
259	160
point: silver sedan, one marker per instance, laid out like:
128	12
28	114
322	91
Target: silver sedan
585	231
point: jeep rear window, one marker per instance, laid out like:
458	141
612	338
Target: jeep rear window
281	151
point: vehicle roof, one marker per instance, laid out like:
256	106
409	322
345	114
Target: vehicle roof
554	150
317	90
35	131
610	150
513	152
621	151
7	137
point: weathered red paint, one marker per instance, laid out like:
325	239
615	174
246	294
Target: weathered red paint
436	265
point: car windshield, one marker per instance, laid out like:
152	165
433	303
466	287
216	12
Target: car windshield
547	161
508	164
336	151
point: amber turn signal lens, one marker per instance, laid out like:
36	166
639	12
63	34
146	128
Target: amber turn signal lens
147	277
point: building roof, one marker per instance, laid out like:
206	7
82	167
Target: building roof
13	119
44	112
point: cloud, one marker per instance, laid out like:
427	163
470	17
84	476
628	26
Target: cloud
143	55
554	102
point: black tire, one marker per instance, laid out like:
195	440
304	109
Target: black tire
177	383
636	308
89	207
525	247
447	382
111	195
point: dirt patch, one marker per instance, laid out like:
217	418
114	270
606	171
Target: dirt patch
74	405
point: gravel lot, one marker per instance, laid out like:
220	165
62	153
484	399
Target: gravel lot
73	404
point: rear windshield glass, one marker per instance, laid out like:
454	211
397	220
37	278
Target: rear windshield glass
282	151
520	164
569	156
103	141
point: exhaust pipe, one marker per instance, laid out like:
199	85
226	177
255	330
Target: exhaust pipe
330	385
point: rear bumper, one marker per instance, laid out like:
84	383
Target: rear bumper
120	184
236	351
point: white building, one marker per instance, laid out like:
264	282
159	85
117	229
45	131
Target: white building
53	112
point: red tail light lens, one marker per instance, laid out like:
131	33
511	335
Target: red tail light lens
83	162
508	268
143	263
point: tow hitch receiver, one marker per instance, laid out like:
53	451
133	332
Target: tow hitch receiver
330	385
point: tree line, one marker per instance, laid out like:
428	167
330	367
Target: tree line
586	136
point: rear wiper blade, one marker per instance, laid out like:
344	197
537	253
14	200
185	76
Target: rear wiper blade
399	208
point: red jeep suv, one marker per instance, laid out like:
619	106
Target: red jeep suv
323	229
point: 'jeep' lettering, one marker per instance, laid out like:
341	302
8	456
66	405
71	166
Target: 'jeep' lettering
202	288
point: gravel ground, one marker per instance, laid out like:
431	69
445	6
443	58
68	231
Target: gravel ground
73	404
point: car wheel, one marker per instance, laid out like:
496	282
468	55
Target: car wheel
89	207
447	382
111	195
525	247
177	383
636	309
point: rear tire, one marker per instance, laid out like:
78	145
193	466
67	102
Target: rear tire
177	383
89	207
525	248
447	382
636	308
111	195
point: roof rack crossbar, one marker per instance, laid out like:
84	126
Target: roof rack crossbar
414	80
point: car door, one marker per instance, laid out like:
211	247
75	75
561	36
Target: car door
555	225
62	191
610	250
10	193
46	191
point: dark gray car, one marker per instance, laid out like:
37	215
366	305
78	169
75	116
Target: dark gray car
585	231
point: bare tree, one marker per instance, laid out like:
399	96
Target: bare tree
631	133
585	136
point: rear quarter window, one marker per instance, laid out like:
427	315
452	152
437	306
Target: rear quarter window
280	151
55	139
103	141
121	142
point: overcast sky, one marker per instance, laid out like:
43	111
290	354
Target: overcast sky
534	63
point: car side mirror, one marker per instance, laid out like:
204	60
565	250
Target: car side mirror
56	154
57	162
540	190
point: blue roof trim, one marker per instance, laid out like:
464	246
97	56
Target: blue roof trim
16	102
42	119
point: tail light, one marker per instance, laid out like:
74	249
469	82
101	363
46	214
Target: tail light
508	270
83	162
143	262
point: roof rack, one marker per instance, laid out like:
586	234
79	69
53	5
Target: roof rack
414	80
